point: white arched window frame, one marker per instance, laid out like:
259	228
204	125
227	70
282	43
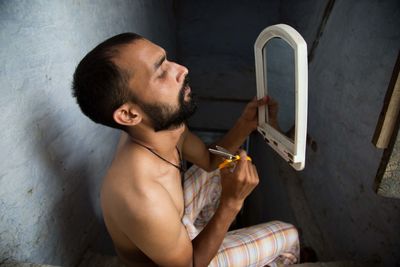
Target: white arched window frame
293	151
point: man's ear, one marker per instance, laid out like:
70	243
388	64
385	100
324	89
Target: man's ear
127	115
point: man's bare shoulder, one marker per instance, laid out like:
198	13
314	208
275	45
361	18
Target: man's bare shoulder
138	182
129	176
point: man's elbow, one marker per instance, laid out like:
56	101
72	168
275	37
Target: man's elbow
208	165
209	168
212	163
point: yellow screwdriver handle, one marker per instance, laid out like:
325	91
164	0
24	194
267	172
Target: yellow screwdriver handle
228	162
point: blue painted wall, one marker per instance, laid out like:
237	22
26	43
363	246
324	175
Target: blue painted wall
215	42
52	158
332	201
348	79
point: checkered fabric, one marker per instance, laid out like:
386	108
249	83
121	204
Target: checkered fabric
267	244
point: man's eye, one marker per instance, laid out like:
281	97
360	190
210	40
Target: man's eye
162	75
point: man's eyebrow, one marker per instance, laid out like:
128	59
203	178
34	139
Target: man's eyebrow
160	61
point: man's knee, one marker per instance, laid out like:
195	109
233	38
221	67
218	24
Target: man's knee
283	228
291	231
287	227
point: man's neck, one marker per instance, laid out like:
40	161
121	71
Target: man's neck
163	142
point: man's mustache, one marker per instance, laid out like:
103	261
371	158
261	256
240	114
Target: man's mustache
185	82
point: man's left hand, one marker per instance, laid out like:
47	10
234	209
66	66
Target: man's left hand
249	115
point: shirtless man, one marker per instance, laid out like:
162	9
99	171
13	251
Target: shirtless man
127	82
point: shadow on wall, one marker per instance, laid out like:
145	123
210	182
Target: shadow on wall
73	222
72	208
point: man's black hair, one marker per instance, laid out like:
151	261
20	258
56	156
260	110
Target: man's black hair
99	85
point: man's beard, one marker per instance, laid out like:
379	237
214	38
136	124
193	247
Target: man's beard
166	117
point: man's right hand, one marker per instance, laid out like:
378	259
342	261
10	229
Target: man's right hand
237	185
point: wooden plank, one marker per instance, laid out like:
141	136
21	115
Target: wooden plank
387	136
390	117
390	111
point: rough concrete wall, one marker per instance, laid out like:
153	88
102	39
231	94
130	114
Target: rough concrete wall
348	78
305	16
52	157
332	201
215	41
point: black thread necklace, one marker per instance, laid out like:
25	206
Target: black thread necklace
179	167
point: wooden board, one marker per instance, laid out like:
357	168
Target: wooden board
387	136
390	111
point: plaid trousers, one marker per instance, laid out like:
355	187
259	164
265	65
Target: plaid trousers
267	244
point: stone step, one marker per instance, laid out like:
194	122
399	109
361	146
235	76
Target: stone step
91	259
96	260
335	264
24	264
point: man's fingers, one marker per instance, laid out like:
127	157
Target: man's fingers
243	155
252	103
241	164
263	101
259	102
254	173
255	103
224	171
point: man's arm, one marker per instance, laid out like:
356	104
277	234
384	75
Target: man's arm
236	186
150	220
195	151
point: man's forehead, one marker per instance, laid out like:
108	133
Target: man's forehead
138	55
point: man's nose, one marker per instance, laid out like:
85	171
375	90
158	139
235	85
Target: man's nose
181	72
